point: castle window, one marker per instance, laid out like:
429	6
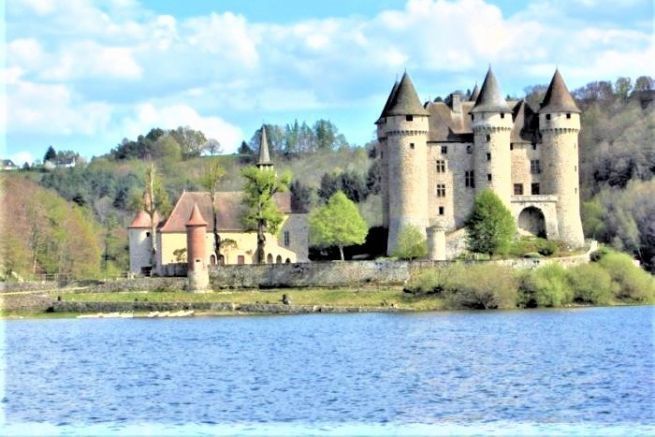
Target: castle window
511	146
502	115
441	190
147	234
441	166
469	179
411	145
535	167
534	188
472	116
489	177
287	238
441	210
547	116
381	155
575	168
518	189
568	115
241	260
409	118
444	150
576	190
488	156
534	146
488	137
469	149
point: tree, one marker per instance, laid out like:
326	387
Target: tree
622	87
213	147
246	154
154	202
411	244
490	227
644	83
337	223
192	142
262	213
211	176
50	154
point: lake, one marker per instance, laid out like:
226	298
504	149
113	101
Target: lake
506	372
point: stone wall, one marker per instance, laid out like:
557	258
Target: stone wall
135	284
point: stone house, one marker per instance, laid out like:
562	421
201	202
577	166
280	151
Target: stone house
290	245
435	157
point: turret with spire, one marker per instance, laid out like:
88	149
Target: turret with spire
491	121
559	125
264	159
404	127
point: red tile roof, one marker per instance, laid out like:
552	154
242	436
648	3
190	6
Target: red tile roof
229	210
142	220
196	218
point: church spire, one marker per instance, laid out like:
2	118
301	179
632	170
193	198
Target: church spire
264	160
558	98
490	98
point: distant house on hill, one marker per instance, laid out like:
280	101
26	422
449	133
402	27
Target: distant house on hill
290	245
8	165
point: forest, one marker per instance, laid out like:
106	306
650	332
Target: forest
72	221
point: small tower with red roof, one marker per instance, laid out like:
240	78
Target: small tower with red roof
196	231
139	237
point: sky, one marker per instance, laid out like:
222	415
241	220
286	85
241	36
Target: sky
84	74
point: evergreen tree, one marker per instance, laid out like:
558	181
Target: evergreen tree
490	227
50	155
338	223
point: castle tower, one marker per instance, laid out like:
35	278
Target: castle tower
406	133
559	124
138	234
197	273
491	121
264	159
383	157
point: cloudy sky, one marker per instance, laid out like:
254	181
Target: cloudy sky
83	74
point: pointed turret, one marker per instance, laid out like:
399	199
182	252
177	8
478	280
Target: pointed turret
264	160
405	101
475	93
490	98
196	218
558	98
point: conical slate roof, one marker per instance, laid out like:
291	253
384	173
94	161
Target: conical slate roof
490	98
264	155
392	94
196	218
405	101
558	98
475	93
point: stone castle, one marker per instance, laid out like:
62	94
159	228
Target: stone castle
436	157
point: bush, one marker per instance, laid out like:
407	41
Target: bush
631	282
426	282
491	227
597	255
411	244
528	246
547	286
481	286
591	284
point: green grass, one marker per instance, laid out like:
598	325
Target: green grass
336	297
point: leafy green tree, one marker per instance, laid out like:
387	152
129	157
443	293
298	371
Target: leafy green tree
411	244
262	213
50	154
622	87
211	177
490	227
337	223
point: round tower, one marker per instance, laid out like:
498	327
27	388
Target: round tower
491	121
138	234
406	132
196	230
383	157
559	124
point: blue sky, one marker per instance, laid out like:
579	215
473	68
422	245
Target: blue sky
83	74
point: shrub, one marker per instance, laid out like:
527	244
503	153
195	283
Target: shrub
528	246
491	227
411	244
428	281
591	284
482	286
597	255
631	281
546	286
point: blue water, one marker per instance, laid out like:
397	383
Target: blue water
530	372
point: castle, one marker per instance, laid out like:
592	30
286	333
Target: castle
436	157
193	213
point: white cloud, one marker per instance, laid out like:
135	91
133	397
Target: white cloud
20	158
147	116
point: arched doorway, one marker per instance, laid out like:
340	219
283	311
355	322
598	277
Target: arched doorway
278	260
269	259
212	259
532	220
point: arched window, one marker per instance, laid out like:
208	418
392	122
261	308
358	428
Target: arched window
288	261
278	260
212	260
269	259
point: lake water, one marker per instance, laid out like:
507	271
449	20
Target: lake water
529	372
